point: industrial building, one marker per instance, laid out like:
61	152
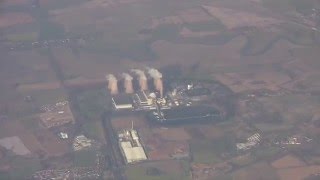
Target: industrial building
144	101
252	141
81	142
131	147
184	114
122	101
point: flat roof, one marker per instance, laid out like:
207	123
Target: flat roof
142	96
133	154
121	99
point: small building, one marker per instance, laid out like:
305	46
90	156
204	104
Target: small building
63	135
122	101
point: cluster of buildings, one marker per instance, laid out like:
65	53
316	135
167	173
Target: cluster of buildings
293	140
131	146
252	141
56	115
141	100
81	142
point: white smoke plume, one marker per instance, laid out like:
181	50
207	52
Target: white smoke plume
157	79
142	78
127	82
112	83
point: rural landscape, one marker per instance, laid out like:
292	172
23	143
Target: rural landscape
160	89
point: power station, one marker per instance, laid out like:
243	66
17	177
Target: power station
143	97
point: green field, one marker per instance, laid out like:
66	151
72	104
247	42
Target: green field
204	152
286	5
139	173
209	151
23	37
21	167
93	103
263	153
44	97
214	25
30	122
85	158
94	130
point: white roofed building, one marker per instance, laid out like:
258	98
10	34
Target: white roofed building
131	147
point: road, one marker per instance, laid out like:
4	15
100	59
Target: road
113	150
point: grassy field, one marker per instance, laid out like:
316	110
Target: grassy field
244	160
264	153
285	5
30	122
23	37
93	103
84	158
215	25
21	168
260	170
209	151
43	97
139	173
94	130
259	42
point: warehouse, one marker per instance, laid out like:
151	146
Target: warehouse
122	101
131	147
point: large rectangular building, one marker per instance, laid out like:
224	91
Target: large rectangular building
122	101
131	147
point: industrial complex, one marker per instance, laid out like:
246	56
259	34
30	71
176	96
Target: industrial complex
142	91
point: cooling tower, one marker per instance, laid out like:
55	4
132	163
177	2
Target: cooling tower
127	83
157	79
112	84
141	78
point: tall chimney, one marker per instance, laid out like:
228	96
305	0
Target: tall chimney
112	84
142	78
127	82
157	79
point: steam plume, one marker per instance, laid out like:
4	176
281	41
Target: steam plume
142	78
127	82
112	84
157	79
